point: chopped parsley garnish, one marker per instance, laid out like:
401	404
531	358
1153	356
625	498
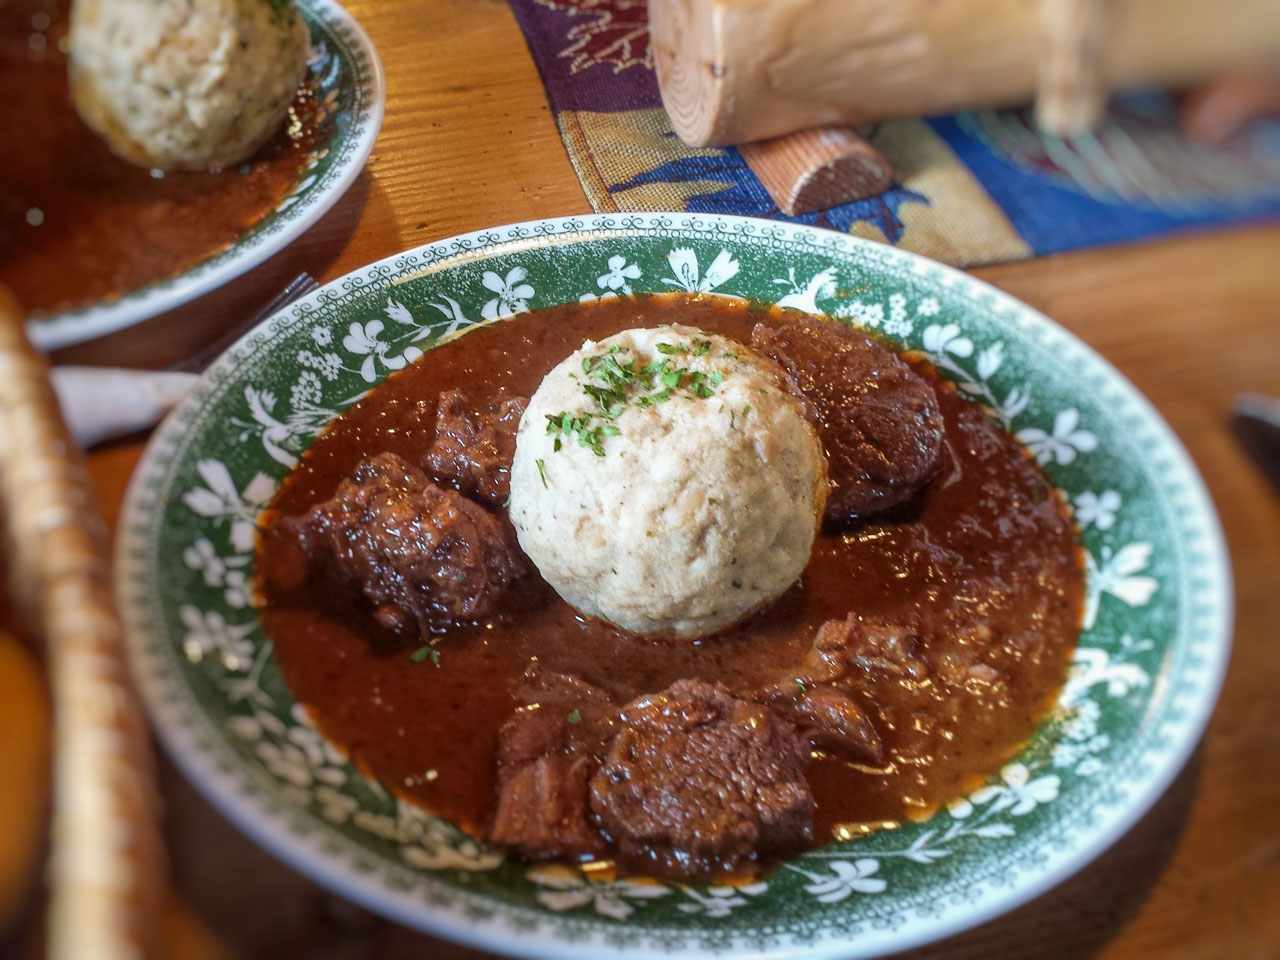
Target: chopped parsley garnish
565	426
615	382
700	385
700	348
576	716
507	502
649	399
423	653
542	470
801	687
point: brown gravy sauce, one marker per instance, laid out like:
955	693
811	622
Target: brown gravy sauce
987	559
104	227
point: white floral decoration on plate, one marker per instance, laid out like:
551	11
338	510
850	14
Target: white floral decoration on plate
804	296
220	501
564	888
513	294
684	266
1066	442
1097	509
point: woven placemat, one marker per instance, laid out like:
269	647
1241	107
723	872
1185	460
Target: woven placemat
977	187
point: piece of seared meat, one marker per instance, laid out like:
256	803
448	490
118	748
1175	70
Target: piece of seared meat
874	645
542	809
473	446
547	753
420	554
880	647
878	420
848	655
828	719
700	782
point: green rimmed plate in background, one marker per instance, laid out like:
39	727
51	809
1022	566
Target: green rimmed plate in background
347	74
1144	680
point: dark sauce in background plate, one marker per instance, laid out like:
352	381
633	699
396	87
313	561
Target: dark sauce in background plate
78	225
987	558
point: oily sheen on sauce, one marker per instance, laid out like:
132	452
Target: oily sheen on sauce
984	561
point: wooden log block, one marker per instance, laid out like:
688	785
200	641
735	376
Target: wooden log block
732	71
1071	93
815	169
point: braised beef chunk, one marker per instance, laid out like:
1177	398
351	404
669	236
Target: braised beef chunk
891	649
547	752
878	420
560	713
874	645
699	781
542	809
828	719
473	447
421	554
808	695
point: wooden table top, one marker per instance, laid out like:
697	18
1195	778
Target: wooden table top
469	142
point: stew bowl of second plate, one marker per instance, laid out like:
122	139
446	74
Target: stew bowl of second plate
106	245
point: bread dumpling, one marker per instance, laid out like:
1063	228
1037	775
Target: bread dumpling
666	480
185	84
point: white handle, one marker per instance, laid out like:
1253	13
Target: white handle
101	403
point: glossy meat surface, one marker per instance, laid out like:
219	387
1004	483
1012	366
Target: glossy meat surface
699	781
474	445
420	554
874	645
878	420
547	753
828	719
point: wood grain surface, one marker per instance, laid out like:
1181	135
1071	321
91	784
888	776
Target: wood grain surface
469	142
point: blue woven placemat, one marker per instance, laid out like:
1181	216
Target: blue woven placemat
976	187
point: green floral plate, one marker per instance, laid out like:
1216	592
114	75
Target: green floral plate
1145	677
352	93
